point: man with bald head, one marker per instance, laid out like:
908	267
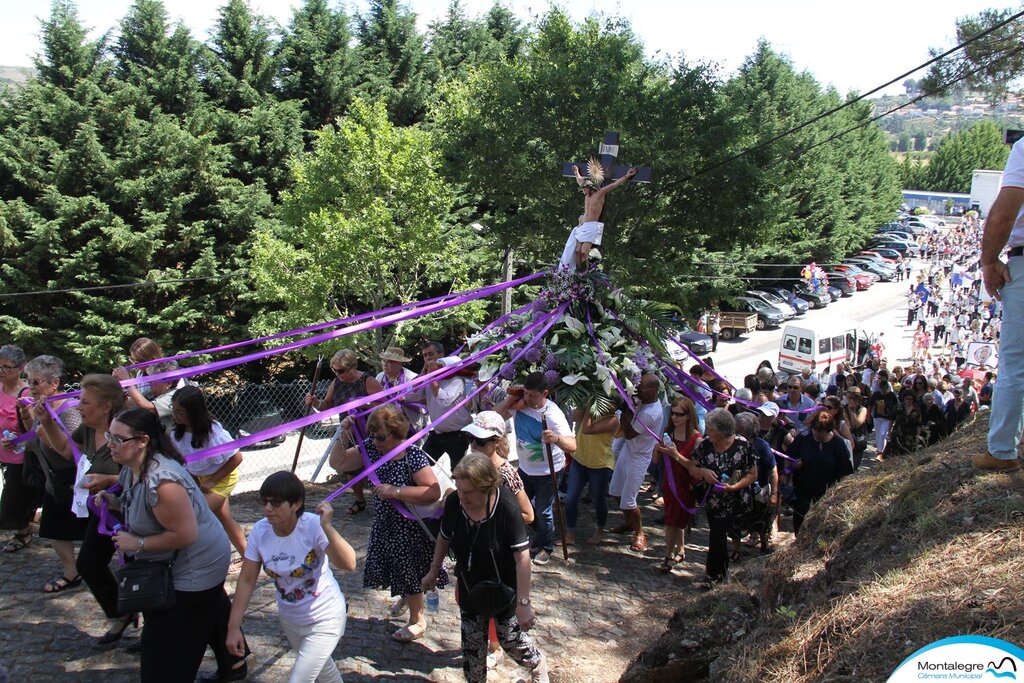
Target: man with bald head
642	431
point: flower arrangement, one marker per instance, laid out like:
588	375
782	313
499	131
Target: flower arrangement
601	334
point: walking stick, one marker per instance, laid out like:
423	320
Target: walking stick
559	515
302	432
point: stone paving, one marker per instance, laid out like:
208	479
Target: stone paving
594	614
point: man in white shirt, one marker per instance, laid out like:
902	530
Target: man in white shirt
529	408
642	431
1005	281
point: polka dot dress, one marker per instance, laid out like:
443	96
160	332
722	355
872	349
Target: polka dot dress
399	552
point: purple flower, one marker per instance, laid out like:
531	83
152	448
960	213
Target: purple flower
641	360
508	371
534	354
552	377
552	362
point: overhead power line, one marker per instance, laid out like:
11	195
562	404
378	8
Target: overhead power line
128	285
830	112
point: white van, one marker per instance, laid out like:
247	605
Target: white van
803	348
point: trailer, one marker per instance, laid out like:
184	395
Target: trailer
984	188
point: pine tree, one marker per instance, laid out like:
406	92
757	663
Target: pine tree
395	68
318	66
978	147
245	67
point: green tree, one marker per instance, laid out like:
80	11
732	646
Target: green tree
318	65
243	71
990	63
367	226
458	43
978	147
395	67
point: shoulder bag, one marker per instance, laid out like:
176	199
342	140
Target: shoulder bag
145	586
490	597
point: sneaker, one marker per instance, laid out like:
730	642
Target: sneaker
540	674
985	461
542	558
494	657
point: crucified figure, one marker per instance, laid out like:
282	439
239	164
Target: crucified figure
589	231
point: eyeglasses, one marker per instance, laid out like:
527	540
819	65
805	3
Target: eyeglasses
37	382
8	368
338	371
117	440
676	413
795	387
380	437
272	502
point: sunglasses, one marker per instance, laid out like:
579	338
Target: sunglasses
116	440
380	437
676	413
338	371
37	382
272	502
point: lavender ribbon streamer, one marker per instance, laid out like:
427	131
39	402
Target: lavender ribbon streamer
103	514
175	375
547	321
335	323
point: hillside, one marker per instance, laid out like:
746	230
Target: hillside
14	75
894	558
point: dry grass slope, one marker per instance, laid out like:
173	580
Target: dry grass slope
918	549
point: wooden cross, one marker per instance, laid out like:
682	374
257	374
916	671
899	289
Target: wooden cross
607	154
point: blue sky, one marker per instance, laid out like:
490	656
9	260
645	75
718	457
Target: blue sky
853	46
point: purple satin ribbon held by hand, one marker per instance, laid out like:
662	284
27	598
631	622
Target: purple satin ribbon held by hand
106	521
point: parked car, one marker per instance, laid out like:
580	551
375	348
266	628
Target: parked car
835	292
698	342
905	248
801	304
857	270
890	258
842	281
814	299
767	316
895	234
773	300
885	273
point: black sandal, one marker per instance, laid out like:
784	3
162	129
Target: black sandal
61	583
357	507
17	542
667	565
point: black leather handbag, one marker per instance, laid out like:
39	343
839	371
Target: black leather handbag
491	597
145	586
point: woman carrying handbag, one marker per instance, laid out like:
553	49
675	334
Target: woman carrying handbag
483	527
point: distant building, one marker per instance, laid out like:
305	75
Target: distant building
936	201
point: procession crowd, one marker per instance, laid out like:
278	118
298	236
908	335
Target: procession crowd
117	476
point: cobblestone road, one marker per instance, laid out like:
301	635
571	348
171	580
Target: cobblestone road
594	614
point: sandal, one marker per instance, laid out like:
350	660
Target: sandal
61	583
409	633
666	565
398	607
357	507
639	543
17	542
622	528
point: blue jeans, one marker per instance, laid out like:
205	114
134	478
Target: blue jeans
1007	418
580	476
540	492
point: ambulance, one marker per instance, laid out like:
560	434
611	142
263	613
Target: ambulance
818	350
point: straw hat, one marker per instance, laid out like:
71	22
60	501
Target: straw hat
394	353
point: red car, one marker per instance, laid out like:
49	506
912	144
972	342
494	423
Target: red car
886	259
843	282
862	280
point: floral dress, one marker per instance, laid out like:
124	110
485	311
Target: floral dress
399	552
736	461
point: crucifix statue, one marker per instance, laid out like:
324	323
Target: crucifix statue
590	228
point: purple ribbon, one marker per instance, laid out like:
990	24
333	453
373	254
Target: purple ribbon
106	519
335	323
546	322
181	373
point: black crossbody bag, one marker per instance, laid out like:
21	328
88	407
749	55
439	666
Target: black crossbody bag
145	585
490	597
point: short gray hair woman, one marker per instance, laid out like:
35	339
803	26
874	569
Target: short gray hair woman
722	421
747	426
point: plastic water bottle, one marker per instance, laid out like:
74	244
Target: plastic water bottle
666	440
19	448
433	601
724	479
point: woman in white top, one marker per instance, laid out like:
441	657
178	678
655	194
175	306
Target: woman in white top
292	547
194	429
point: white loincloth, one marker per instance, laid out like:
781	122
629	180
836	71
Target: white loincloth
586	232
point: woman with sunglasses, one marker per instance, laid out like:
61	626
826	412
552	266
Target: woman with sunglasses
58	523
904	437
101	398
293	547
399	551
19	500
349	383
678	484
166	519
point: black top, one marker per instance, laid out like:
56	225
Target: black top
823	464
471	543
884	405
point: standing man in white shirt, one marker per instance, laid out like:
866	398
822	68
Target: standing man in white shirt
446	436
642	432
527	405
1005	281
